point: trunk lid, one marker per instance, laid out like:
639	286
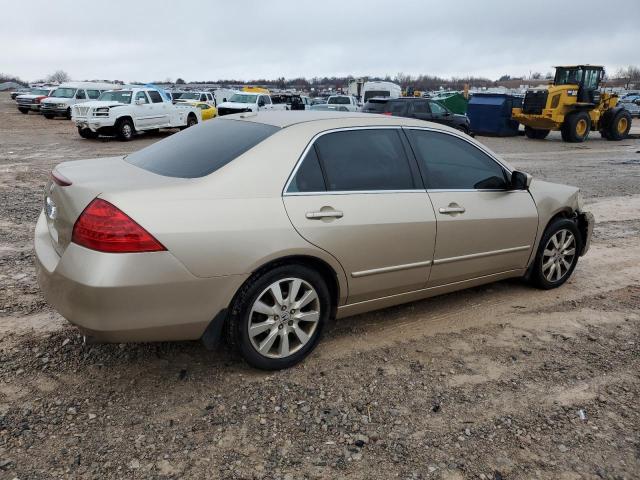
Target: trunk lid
89	179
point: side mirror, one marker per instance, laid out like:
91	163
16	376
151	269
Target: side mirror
520	180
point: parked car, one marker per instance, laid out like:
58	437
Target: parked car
318	100
206	97
123	113
375	105
69	94
207	110
343	103
425	109
265	227
248	102
30	102
631	107
380	89
21	91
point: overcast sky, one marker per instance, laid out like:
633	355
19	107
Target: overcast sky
139	40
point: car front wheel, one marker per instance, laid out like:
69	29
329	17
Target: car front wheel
278	316
557	254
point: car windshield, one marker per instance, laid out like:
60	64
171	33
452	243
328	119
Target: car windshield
201	150
64	92
243	98
339	101
190	96
39	91
120	96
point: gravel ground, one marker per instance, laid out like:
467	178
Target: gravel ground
496	382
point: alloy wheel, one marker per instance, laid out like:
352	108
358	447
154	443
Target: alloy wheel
558	255
284	318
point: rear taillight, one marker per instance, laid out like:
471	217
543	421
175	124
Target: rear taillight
105	228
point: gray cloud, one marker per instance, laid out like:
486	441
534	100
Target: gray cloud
151	40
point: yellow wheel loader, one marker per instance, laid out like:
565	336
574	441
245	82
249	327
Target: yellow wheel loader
574	105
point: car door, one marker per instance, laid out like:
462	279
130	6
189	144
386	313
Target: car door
357	195
144	111
440	114
484	228
160	110
420	109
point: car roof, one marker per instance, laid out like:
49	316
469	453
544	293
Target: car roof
287	118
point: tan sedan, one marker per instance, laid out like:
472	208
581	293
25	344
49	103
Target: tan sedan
265	226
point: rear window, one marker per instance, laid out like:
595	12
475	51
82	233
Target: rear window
376	106
201	150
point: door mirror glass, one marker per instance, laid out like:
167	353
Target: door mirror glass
520	180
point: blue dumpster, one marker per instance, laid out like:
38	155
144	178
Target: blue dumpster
490	114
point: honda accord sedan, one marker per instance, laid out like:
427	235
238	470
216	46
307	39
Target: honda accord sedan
260	228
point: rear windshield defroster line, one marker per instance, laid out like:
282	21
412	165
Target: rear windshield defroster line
201	150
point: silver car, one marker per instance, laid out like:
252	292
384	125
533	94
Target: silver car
263	227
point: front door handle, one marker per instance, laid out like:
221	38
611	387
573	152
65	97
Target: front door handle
452	209
324	214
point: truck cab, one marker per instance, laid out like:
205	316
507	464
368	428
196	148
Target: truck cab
63	98
243	102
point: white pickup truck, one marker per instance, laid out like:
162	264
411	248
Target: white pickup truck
124	112
340	103
248	102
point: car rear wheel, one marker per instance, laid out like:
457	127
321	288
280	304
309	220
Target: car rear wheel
278	316
68	113
557	254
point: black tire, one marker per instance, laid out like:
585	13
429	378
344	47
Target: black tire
24	110
576	127
618	128
604	134
48	116
537	275
125	129
536	133
239	316
192	120
87	133
463	129
68	114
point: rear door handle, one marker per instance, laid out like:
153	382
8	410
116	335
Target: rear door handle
451	210
324	214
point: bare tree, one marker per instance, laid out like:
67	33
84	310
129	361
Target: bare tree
59	76
630	75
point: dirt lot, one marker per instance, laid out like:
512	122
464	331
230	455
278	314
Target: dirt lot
497	382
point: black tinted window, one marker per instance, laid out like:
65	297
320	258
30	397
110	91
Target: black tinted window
375	106
395	108
201	150
421	106
364	160
155	96
449	162
309	176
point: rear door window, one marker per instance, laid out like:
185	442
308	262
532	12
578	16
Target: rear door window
81	95
155	96
309	177
197	152
364	160
450	163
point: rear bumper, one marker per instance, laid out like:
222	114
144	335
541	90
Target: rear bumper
136	297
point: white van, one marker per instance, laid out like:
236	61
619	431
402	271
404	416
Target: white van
70	93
